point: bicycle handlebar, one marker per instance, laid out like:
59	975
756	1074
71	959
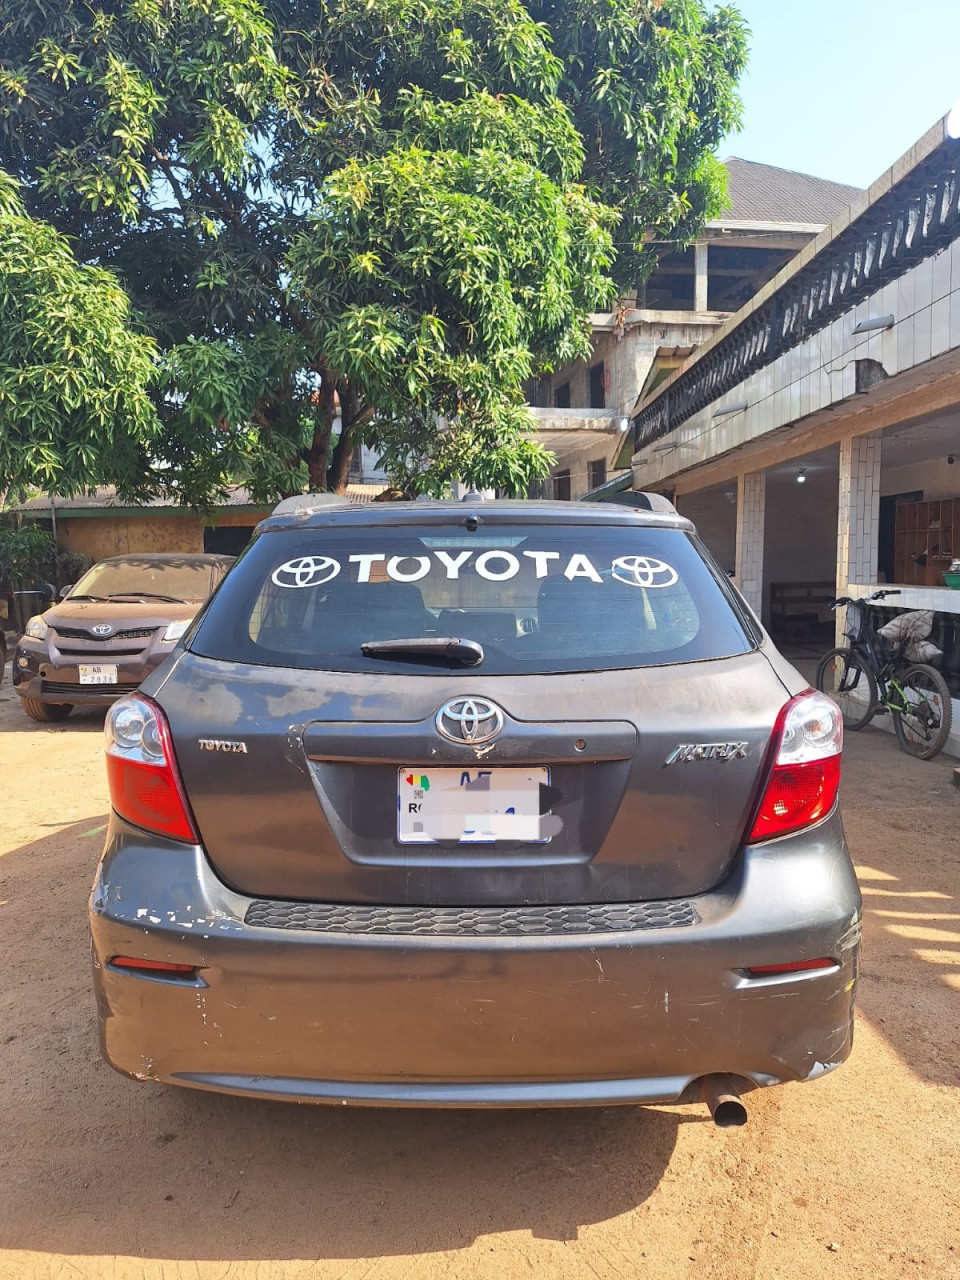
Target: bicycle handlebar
877	595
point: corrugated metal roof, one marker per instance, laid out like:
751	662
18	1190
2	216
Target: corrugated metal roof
765	193
105	499
360	494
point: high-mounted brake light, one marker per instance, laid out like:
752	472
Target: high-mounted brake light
145	785
803	782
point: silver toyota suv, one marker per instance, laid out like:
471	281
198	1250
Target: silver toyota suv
476	804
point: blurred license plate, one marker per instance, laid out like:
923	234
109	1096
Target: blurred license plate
470	806
98	674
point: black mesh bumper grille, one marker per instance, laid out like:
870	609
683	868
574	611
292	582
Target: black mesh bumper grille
472	922
77	690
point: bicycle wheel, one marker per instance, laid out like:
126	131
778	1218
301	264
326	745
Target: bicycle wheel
923	725
844	676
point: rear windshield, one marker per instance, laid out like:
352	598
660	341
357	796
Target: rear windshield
182	580
536	598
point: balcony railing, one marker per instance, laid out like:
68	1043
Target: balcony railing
914	220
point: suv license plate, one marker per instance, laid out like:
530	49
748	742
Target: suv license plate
469	806
98	674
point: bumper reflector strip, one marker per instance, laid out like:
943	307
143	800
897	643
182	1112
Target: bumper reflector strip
153	966
796	966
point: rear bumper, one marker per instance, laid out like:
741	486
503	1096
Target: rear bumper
356	1010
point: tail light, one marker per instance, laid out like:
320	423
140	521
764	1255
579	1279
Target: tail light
803	782
145	785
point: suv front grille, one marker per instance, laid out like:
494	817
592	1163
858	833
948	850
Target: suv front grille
74	633
472	922
107	653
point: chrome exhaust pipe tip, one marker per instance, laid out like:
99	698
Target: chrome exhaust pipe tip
722	1096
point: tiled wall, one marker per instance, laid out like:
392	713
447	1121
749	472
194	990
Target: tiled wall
751	512
858	515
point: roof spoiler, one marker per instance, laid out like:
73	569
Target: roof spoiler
659	502
643	501
305	504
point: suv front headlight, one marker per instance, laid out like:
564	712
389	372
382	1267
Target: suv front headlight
176	629
36	628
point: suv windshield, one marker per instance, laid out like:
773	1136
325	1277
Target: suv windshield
185	579
535	598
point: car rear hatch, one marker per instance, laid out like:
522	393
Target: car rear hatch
608	748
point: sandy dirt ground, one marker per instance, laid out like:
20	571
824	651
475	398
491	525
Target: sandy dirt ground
855	1175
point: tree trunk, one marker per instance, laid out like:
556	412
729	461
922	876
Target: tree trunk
339	470
320	444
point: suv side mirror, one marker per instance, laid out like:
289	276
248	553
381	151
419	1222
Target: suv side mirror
65	591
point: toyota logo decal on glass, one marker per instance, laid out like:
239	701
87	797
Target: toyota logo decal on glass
306	571
469	720
644	571
102	629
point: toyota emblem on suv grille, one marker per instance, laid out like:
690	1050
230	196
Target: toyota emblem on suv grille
102	629
469	720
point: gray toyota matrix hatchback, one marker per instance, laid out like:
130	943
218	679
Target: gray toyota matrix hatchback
484	803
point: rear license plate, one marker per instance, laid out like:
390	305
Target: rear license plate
98	674
470	806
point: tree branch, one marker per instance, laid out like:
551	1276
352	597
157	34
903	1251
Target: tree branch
175	184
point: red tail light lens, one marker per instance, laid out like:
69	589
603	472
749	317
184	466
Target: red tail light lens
803	783
145	786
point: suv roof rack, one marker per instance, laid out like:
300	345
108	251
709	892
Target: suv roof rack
305	504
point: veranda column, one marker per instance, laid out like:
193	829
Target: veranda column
700	256
751	504
858	519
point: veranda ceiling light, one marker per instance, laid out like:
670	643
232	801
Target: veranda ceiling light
801	475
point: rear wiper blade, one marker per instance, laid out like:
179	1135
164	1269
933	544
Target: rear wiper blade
468	653
145	595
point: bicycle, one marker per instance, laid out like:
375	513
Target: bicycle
872	676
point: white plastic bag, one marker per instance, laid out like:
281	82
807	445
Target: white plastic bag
910	631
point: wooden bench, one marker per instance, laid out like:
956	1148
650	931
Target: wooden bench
801	610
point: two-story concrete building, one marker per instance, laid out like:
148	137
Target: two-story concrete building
583	410
815	436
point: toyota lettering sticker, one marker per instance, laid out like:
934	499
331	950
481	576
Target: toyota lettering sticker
496	566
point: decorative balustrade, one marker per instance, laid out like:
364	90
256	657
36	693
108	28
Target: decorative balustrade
914	220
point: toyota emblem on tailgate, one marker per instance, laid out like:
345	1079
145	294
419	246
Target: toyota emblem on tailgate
469	720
